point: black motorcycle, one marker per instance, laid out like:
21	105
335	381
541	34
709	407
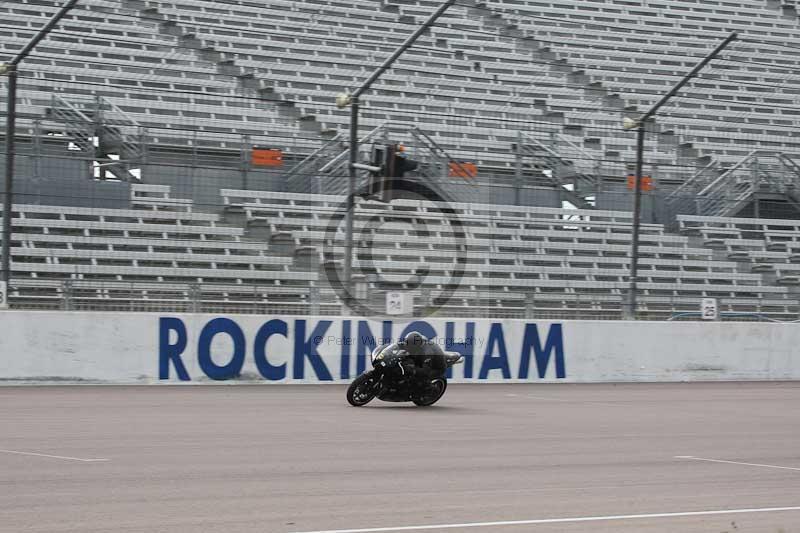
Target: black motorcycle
386	381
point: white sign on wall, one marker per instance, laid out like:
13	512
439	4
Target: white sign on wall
3	295
709	309
155	348
399	303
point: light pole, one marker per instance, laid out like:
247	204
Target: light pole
352	99
640	124
10	70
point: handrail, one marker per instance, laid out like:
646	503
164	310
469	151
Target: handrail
732	314
60	101
313	155
734	168
466	173
573	197
79	125
345	154
576	147
116	109
690	181
791	163
544	147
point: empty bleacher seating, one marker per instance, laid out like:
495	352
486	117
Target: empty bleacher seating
159	247
185	76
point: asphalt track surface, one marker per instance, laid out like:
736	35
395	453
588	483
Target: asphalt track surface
282	459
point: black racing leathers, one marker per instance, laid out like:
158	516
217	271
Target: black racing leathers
425	362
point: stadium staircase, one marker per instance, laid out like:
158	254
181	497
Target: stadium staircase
722	189
568	86
326	169
304	176
248	79
101	130
768	247
563	174
440	170
543	55
726	192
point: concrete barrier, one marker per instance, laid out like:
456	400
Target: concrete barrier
162	348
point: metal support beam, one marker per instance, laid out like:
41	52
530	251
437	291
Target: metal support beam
518	169
386	65
351	199
637	211
353	155
700	66
640	125
10	70
11	125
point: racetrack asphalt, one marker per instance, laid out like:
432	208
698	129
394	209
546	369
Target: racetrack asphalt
280	459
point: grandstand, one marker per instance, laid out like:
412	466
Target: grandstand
141	124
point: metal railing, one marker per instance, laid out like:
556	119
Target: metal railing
559	168
85	295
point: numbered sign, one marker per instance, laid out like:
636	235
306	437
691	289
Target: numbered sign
709	309
399	303
3	295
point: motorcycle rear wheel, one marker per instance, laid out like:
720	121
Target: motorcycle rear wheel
362	390
438	386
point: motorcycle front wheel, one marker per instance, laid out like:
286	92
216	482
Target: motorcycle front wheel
362	390
434	393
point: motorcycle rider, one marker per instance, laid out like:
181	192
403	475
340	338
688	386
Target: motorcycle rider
427	360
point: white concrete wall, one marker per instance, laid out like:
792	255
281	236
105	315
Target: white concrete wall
129	348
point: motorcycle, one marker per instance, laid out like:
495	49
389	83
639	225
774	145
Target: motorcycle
386	381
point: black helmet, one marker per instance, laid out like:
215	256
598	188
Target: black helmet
415	338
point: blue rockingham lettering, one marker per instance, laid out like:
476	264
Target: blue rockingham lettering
311	348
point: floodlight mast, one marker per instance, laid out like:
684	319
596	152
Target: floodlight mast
10	69
640	124
352	99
